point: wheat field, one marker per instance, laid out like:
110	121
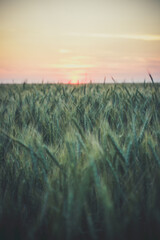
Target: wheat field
80	162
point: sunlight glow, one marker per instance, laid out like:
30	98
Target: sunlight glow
74	78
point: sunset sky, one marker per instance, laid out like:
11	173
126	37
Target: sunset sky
70	40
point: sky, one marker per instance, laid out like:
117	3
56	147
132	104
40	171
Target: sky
74	41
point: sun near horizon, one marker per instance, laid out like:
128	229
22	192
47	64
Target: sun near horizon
79	41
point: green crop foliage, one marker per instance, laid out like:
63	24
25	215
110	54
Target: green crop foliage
80	162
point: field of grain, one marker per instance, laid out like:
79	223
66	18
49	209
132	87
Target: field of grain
80	162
